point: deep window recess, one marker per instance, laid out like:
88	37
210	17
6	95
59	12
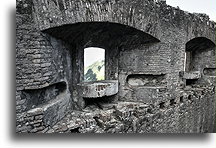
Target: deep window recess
94	64
197	51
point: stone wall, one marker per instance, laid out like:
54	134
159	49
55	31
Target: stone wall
39	71
183	114
145	43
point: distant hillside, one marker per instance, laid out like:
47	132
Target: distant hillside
94	72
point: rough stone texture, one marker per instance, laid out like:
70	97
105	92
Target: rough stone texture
145	44
192	75
98	89
209	71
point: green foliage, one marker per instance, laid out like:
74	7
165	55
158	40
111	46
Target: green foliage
95	71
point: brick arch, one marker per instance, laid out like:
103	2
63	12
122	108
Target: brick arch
153	17
131	13
197	51
110	36
101	34
199	43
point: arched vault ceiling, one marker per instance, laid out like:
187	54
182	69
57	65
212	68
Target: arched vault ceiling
101	34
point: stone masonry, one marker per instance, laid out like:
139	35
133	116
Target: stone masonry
159	68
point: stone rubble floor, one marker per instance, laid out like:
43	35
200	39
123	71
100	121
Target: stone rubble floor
95	120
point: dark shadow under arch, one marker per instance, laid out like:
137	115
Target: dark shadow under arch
196	50
199	43
101	34
112	37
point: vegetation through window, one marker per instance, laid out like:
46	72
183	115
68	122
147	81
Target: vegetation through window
94	64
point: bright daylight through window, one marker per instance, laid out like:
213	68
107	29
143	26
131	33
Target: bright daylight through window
94	64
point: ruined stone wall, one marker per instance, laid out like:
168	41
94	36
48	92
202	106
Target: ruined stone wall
152	95
184	114
146	65
39	70
42	82
170	25
50	13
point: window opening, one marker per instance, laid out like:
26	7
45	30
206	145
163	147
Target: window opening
94	64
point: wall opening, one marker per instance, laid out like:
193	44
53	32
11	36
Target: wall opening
94	64
191	81
37	97
197	51
209	71
146	80
99	103
114	38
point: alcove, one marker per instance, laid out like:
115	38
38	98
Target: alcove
199	58
112	38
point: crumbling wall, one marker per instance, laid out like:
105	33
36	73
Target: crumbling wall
184	114
149	63
40	74
145	43
39	68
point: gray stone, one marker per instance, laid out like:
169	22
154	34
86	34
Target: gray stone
192	75
159	68
98	89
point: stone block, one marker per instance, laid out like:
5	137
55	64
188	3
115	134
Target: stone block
98	88
35	111
192	75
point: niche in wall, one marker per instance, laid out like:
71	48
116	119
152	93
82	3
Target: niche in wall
146	80
100	102
37	97
112	37
209	71
197	53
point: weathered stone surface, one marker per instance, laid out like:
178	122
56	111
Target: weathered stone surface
99	88
154	88
192	75
210	72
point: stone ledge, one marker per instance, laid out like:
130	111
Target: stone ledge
98	88
192	75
